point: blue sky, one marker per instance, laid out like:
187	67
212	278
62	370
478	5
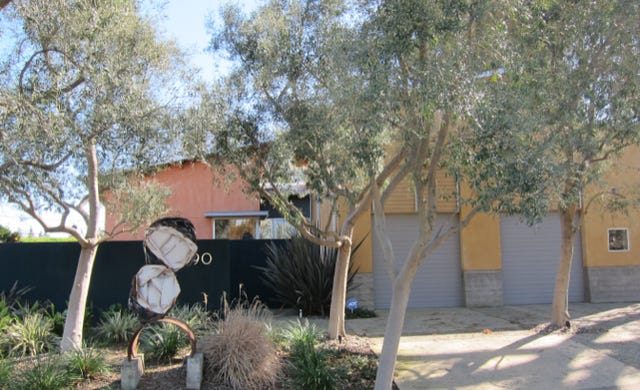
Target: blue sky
185	22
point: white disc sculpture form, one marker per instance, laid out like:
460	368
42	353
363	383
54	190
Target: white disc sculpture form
169	246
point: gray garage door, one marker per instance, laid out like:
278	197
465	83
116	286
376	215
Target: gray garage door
530	258
438	282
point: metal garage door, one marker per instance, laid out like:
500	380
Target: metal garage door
438	282
530	257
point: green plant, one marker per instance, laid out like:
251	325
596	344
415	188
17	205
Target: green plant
360	312
117	326
15	295
56	317
300	332
6	368
300	274
30	335
162	341
195	316
47	373
351	370
7	235
308	365
5	316
86	363
240	354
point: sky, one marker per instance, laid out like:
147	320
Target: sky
186	23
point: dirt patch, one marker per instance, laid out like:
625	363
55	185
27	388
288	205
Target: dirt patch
172	375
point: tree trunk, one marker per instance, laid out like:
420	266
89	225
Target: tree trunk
72	335
560	307
339	292
393	331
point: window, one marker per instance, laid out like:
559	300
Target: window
273	228
234	228
236	225
618	240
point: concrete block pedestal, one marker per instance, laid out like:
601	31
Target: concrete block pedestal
194	371
131	372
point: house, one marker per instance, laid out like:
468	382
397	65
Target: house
500	260
495	260
217	208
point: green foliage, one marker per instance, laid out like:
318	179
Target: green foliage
56	317
5	318
353	371
7	235
195	316
300	274
6	369
360	312
30	334
14	296
86	363
161	342
117	326
308	368
48	373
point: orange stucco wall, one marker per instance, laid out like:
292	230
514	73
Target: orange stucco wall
195	190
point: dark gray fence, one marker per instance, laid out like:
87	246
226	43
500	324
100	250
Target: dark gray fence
49	268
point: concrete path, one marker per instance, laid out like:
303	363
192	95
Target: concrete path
509	348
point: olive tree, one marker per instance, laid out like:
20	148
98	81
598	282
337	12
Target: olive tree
287	101
367	98
85	98
576	85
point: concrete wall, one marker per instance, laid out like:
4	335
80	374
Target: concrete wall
482	288
614	284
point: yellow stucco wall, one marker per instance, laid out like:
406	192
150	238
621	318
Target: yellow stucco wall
621	175
363	257
480	245
402	200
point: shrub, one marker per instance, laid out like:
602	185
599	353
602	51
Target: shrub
86	363
56	317
360	312
5	316
7	235
14	296
30	335
46	374
162	341
299	332
240	354
300	274
195	316
6	368
117	326
308	366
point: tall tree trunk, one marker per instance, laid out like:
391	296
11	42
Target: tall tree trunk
560	307
72	335
339	292
393	331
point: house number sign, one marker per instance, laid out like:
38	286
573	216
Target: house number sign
205	259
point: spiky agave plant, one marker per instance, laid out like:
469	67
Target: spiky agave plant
300	274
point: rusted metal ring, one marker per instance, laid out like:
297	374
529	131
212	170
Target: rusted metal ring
132	350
